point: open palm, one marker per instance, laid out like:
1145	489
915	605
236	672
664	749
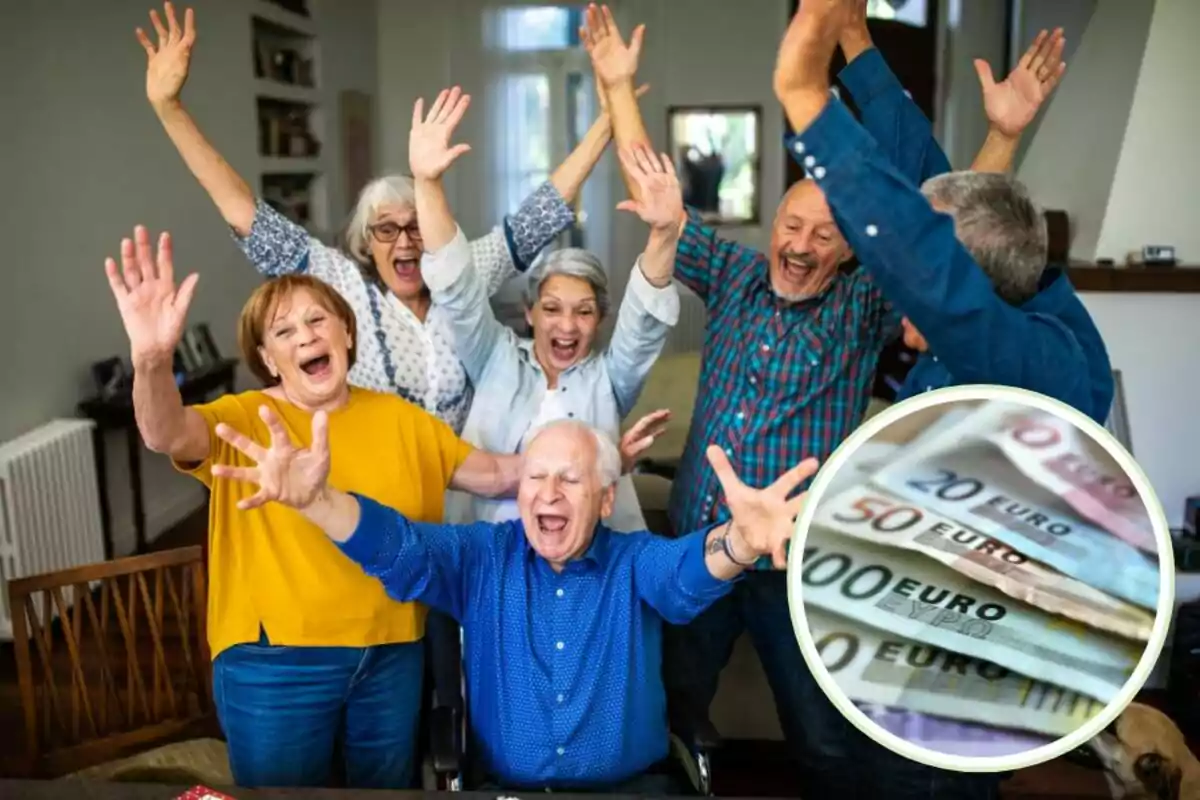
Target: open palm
430	153
167	68
152	309
1013	103
763	518
283	472
661	202
613	61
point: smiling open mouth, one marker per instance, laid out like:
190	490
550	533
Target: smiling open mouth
407	268
318	367
796	269
551	523
564	349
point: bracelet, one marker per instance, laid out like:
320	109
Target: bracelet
728	551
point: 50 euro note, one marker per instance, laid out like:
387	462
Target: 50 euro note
877	516
972	483
874	666
912	596
1062	459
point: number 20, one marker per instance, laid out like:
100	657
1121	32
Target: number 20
947	482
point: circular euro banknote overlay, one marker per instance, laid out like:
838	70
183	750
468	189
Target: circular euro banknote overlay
1041	748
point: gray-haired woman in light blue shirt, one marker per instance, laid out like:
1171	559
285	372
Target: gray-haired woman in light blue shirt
524	383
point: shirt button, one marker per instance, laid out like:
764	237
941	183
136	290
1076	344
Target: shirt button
708	499
559	593
872	230
559	645
741	416
766	348
798	147
819	173
729	452
753	380
560	698
810	161
561	751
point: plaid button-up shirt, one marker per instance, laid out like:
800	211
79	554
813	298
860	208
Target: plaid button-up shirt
779	381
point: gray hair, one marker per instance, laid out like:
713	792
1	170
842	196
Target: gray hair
608	457
999	224
575	263
390	190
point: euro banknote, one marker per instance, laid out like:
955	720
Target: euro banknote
877	516
873	666
975	485
917	598
1058	456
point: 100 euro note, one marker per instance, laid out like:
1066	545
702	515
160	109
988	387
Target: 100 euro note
917	598
875	666
874	515
1055	454
975	485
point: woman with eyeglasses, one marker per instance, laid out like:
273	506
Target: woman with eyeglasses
405	344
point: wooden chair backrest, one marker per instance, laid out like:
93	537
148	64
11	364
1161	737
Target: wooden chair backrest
111	658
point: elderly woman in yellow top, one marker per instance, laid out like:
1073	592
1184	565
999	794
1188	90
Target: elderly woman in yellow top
308	651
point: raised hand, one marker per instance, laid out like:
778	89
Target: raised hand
282	472
807	48
152	309
661	203
167	69
1012	104
430	153
613	61
763	519
639	438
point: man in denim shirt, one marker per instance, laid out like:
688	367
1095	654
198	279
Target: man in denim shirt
964	260
790	352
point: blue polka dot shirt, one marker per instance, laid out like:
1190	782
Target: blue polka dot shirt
563	669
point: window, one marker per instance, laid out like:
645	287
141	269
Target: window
542	103
532	28
909	12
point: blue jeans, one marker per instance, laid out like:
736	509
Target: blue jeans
285	712
834	758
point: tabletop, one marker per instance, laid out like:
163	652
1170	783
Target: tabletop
89	790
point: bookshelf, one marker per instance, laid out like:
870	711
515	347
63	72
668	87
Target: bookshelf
290	113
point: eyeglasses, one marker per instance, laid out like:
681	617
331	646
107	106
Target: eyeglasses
388	232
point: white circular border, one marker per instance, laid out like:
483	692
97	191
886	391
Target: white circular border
1038	755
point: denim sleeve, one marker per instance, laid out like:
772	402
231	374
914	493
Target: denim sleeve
672	578
903	133
415	561
913	255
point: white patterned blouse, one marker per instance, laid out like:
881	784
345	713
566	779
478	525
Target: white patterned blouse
397	353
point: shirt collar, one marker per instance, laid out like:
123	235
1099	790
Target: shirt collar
595	555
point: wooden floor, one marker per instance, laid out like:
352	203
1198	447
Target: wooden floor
747	769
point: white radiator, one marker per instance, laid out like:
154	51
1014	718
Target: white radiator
49	505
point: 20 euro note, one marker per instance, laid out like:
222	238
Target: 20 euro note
873	515
1055	454
975	485
873	666
914	597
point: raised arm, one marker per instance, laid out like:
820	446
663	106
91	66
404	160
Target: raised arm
910	250
414	561
166	73
153	313
680	577
486	474
447	265
1013	104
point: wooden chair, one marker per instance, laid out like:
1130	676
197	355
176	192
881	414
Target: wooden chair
112	659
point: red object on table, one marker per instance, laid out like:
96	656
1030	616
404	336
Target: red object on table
203	793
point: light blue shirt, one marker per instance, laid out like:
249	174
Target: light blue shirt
510	385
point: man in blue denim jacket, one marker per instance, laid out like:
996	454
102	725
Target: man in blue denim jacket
963	259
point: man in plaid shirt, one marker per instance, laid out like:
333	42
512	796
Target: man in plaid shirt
789	357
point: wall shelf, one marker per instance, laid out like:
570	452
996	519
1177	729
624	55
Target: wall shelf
1168	280
285	92
285	21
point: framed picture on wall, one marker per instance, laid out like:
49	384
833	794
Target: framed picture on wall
718	156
